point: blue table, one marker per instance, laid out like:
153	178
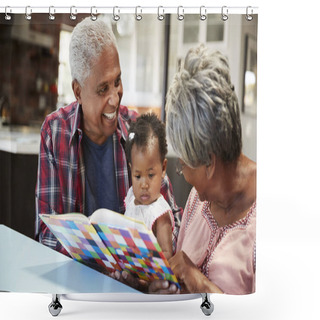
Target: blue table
28	266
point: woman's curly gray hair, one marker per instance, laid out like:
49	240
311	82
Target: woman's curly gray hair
89	38
202	110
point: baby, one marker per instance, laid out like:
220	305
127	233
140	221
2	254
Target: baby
146	149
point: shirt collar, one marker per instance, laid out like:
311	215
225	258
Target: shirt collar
76	122
122	129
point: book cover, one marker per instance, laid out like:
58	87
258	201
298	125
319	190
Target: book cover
109	241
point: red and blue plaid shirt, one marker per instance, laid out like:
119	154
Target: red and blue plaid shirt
61	172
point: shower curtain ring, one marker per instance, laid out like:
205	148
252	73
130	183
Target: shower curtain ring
138	16
203	13
52	11
116	17
28	13
93	15
160	16
180	13
249	17
224	13
73	13
6	14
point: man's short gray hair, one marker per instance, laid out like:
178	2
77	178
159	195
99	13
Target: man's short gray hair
202	110
89	38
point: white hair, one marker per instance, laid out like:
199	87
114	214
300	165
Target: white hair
89	38
202	111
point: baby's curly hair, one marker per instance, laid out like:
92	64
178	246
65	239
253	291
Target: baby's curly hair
145	127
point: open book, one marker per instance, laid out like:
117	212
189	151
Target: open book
108	241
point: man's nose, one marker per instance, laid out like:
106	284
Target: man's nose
114	98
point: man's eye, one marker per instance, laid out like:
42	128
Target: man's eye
151	175
137	177
103	90
117	83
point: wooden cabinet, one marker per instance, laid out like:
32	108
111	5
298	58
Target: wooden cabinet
18	174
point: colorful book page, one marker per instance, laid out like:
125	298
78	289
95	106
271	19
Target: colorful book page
137	252
82	242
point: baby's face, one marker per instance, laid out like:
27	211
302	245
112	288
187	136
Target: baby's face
147	172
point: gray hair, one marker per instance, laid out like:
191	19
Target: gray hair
202	110
89	38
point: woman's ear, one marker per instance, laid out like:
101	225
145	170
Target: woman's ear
76	90
211	167
164	167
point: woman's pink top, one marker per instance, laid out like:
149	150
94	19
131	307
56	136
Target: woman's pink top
225	255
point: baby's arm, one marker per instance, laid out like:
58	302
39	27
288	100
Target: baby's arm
162	229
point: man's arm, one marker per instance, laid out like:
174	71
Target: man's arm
46	192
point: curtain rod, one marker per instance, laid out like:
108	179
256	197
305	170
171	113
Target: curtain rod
138	10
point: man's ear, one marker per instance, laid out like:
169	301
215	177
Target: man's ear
164	167
211	167
77	90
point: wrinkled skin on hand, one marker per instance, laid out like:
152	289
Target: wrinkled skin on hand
155	287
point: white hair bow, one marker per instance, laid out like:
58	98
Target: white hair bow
131	136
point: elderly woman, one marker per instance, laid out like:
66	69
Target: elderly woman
216	243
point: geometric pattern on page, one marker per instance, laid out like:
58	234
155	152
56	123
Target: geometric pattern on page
137	252
82	242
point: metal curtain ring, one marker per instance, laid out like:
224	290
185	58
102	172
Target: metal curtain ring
138	16
6	15
160	16
203	13
224	13
249	17
116	17
52	11
180	14
28	13
73	13
93	15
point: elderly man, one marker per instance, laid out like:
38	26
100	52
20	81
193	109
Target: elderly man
82	163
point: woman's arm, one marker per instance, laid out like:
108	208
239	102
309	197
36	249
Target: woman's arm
190	276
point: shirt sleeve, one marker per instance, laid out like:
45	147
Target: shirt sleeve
46	189
167	192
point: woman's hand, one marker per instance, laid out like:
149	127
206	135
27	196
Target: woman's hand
128	279
190	276
155	287
163	287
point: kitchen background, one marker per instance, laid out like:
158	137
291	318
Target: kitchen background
35	80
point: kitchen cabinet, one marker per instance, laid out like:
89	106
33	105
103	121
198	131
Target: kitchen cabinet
18	174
